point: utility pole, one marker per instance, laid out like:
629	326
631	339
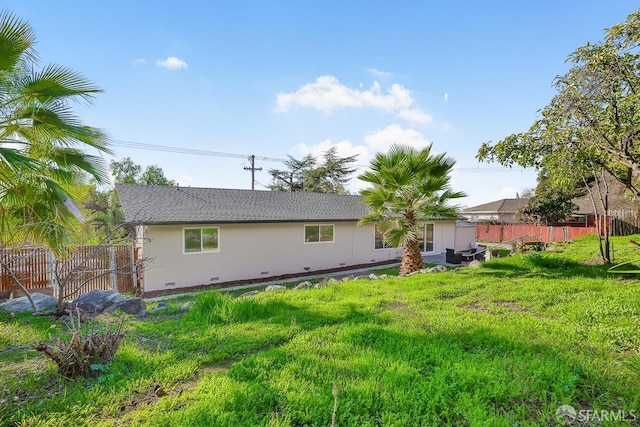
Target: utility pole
253	169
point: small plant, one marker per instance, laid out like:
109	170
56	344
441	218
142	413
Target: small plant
85	353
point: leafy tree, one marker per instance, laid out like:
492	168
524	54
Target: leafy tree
126	171
154	175
307	174
591	126
104	214
408	186
42	162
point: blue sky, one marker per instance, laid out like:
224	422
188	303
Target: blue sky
277	78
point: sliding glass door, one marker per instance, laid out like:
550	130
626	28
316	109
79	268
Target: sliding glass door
426	238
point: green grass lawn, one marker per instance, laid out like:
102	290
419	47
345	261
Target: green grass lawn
502	345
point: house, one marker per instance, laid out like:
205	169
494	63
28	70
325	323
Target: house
500	211
194	237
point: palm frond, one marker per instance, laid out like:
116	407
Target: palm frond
56	82
16	41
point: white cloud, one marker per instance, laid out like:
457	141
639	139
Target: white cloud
172	63
415	115
381	140
327	94
139	61
383	75
446	97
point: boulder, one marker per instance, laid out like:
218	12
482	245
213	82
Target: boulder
22	304
131	306
440	268
162	306
248	294
272	288
475	264
97	300
373	276
303	285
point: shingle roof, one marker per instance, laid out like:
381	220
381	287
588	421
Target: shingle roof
499	206
150	204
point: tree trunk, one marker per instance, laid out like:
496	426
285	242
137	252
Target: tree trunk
411	258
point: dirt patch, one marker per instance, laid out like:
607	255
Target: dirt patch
511	305
593	261
474	306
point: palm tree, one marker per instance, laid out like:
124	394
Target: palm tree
42	162
408	186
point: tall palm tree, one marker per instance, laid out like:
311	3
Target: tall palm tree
408	186
42	162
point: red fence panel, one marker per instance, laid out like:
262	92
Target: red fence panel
506	233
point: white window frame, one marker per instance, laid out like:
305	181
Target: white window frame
385	245
201	251
304	233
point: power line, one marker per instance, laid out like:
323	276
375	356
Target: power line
197	152
193	151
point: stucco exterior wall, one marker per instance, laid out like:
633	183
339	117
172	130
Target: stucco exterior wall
250	251
465	237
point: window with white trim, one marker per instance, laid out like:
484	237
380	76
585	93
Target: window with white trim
198	240
318	233
379	241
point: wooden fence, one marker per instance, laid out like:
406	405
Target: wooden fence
88	267
503	233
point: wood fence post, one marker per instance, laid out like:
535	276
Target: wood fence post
134	273
113	268
51	273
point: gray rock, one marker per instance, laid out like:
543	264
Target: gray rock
272	288
346	279
186	305
162	304
475	264
131	306
303	285
373	276
426	270
383	276
248	294
142	313
22	304
97	300
440	268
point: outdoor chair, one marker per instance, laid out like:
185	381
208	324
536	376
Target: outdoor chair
453	257
480	253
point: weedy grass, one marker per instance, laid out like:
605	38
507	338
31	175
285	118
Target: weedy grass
502	345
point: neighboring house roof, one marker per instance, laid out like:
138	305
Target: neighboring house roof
502	206
617	199
151	204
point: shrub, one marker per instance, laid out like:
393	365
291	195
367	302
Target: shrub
85	353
